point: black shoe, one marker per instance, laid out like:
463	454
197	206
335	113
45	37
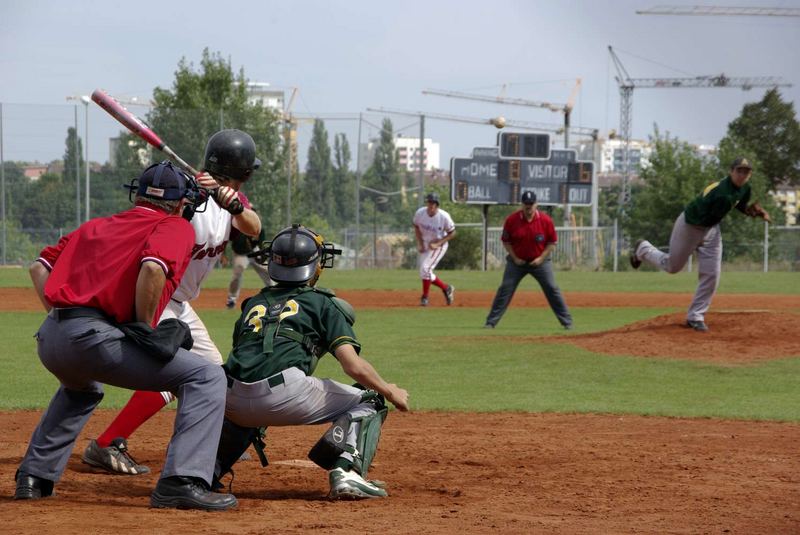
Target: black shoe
635	260
697	325
488	326
32	488
179	492
568	327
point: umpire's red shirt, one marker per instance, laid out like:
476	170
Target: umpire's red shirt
529	238
98	264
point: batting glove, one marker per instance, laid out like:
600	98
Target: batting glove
204	180
228	199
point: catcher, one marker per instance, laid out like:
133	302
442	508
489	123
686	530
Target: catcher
277	341
697	229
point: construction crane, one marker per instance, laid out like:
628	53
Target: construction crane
627	85
566	109
722	11
497	122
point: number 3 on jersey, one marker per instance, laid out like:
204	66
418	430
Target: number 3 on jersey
254	317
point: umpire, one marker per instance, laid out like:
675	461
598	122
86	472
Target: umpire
529	237
95	283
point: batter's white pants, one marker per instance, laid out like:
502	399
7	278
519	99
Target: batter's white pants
428	260
203	345
239	264
686	239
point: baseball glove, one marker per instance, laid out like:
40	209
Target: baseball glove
755	210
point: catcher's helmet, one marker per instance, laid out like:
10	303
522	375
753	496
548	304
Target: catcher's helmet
297	255
231	154
432	197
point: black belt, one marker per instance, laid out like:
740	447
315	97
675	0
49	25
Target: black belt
61	314
272	381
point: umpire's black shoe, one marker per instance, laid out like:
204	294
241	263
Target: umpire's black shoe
179	492
32	488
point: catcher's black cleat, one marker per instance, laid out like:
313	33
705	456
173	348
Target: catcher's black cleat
635	260
697	325
32	488
179	492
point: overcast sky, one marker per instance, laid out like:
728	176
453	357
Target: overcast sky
347	56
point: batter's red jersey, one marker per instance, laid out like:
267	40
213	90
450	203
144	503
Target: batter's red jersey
98	264
528	239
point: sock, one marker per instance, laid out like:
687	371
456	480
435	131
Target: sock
140	408
426	287
438	282
343	463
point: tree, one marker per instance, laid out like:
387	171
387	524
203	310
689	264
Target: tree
47	204
384	173
769	129
73	164
318	185
344	180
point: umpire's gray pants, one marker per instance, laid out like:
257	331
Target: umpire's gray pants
295	399
83	353
543	275
684	240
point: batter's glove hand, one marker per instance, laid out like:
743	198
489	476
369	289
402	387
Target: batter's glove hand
755	210
228	199
204	180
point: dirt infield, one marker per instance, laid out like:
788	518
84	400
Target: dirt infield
21	299
482	473
458	473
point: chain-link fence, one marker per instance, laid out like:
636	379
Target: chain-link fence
582	248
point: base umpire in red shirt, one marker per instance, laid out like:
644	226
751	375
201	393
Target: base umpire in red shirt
96	282
529	237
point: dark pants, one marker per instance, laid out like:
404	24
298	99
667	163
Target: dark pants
543	275
86	352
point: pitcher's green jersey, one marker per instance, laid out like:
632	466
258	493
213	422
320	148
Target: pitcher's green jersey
284	327
717	199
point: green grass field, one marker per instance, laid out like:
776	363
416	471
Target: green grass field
447	360
784	282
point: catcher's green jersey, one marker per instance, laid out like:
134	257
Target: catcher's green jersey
717	199
284	327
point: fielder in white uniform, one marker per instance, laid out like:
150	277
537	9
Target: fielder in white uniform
433	228
229	161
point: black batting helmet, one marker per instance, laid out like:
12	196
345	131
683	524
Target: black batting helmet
231	154
297	256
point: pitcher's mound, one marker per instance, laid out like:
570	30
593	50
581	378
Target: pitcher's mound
734	337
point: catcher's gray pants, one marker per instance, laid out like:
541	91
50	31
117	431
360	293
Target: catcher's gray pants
293	398
686	239
85	352
240	263
543	275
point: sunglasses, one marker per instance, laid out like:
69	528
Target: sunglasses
743	169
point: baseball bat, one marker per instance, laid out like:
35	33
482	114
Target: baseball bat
137	126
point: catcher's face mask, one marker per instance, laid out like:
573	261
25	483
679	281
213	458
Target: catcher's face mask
296	256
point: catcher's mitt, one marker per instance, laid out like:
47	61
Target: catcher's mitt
755	210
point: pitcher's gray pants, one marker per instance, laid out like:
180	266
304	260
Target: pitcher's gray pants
685	239
543	275
86	352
